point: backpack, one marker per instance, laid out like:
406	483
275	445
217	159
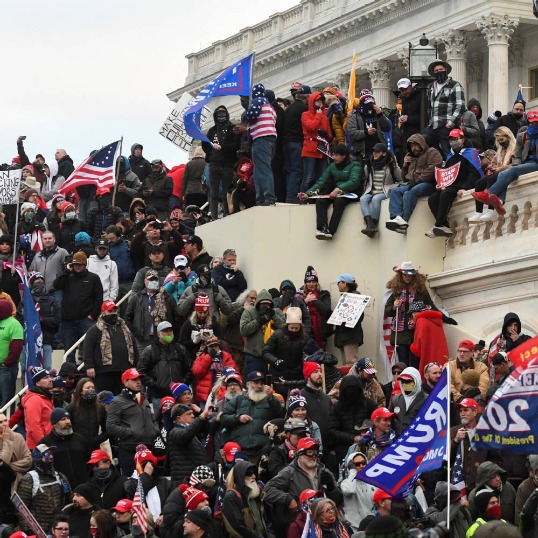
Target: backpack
38	488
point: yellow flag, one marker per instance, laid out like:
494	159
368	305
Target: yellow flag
352	82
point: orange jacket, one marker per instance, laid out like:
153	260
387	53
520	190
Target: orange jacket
201	369
37	409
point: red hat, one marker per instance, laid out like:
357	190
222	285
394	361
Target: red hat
65	205
145	455
20	534
307	494
122	506
306	443
102	190
532	115
131	373
467	403
456	133
296	85
467	344
309	368
16	160
192	496
381	412
109	305
202	303
98	455
379	495
229	450
168	399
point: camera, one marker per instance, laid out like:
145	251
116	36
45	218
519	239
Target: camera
157	225
269	380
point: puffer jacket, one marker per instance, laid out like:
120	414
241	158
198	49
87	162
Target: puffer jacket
121	255
405	406
185	450
201	369
346	176
37	405
286	346
87	421
312	122
422	167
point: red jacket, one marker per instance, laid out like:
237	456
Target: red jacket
429	342
37	410
204	376
313	121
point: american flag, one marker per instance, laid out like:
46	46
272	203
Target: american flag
139	507
98	170
457	472
309	530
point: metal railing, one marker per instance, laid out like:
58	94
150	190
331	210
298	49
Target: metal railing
6	408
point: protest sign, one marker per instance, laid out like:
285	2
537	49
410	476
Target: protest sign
349	309
25	513
446	176
9	186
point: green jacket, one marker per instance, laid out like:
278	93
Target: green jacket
349	179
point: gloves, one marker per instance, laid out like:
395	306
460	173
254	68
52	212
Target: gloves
326	480
323	133
449	321
267	316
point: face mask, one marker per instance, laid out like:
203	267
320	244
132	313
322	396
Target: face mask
94	532
494	512
102	474
167	338
153	285
29	215
45	467
111	320
408	387
441	77
104	201
221	118
89	395
205	281
136	531
38	289
70	215
455	144
504	144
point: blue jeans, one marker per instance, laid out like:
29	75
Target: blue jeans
8	380
294	169
263	149
312	170
507	176
371	204
73	329
403	199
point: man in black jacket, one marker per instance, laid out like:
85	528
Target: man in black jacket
107	482
103	215
139	165
81	301
409	121
157	189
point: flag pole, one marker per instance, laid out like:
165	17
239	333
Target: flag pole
117	174
448	441
16	224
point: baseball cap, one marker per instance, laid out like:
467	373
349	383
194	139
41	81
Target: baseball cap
233	377
151	273
163	325
366	365
181	261
379	495
296	85
466	344
380	147
381	412
229	450
195	240
304	89
404	83
102	191
499	358
109	305
468	403
20	534
456	133
348	278
102	243
131	373
98	455
255	376
156	162
308	494
122	506
306	443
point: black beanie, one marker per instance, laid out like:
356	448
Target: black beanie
385	527
200	518
86	491
482	499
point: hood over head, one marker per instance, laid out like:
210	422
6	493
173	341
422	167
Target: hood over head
258	90
221	108
417	139
5	309
136	145
486	471
263	295
240	472
351	391
510	318
352	456
475	102
313	97
415	374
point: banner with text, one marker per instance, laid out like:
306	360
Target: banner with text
349	309
10	181
446	176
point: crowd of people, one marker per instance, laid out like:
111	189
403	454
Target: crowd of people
198	406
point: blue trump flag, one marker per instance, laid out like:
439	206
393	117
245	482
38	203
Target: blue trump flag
234	80
421	447
33	338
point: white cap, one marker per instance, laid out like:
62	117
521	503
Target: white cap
404	83
181	261
164	325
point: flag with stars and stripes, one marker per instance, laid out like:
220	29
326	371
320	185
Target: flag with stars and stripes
457	478
139	507
98	169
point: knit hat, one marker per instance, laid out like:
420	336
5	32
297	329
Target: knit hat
105	396
38	373
143	454
57	198
470	377
192	496
58	383
80	258
83	238
166	399
296	399
492	118
86	491
482	499
203	475
64	205
385	527
310	275
57	415
178	389
294	315
33	276
179	410
309	368
202	303
27	206
200	518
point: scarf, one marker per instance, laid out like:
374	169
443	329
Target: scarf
382	441
316	319
381	163
404	322
158	312
336	529
106	345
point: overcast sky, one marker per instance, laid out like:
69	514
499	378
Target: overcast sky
80	74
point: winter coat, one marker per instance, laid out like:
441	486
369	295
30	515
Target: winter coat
138	283
411	108
99	219
482	128
163	364
405	407
109	492
218	300
132	423
50	316
459	517
223	134
528	519
250	435
346	176
193	178
49	264
391	176
162	186
205	377
349	335
161	485
107	271
88	420
233	282
456	382
139	165
288	347
187	330
429	342
133	190
121	255
313	122
471	458
348	414
141	247
185	450
523	144
422	167
293	127
66	235
37	405
510	121
65	167
468	173
357	132
469	125
15	453
83	294
173	511
70	455
319	408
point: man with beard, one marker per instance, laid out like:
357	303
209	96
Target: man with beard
70	449
464	361
432	373
243	498
245	416
365	371
106	480
44	490
514	119
305	471
407	404
80	511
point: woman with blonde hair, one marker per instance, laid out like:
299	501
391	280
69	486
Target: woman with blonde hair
505	144
193	187
326	520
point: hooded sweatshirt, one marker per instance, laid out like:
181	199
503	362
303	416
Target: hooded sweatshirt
139	165
510	344
406	406
422	167
460	518
312	122
222	133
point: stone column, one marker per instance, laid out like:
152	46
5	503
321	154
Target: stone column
455	42
379	71
497	31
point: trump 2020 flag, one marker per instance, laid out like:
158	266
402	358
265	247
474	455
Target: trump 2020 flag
421	447
33	338
234	80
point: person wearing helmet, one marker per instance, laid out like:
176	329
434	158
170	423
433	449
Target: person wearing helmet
525	162
280	456
464	178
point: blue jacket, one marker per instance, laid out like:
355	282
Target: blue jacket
122	256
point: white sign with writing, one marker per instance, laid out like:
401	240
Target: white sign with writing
446	176
10	181
349	309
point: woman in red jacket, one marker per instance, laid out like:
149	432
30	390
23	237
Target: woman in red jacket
315	123
208	366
